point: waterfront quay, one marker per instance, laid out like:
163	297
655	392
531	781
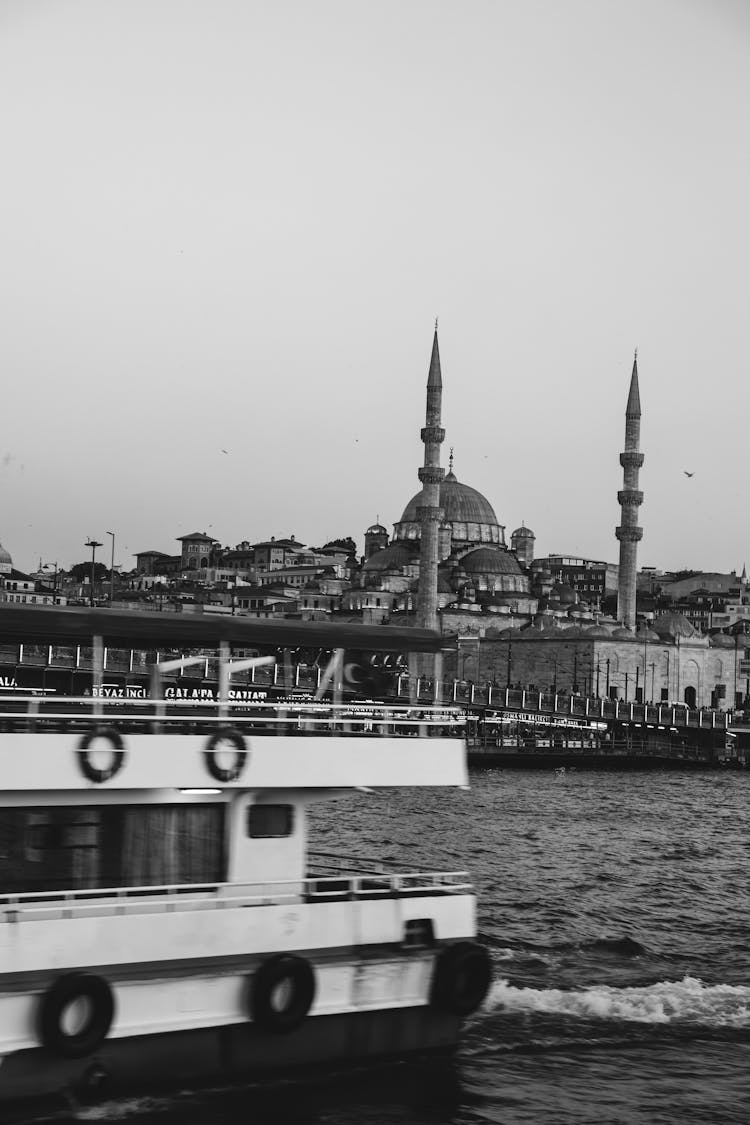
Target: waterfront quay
525	728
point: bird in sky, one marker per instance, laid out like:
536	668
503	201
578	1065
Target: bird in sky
687	474
225	451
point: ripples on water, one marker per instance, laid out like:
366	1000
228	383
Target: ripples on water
617	911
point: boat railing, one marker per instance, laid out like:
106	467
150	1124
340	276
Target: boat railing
84	713
29	906
334	863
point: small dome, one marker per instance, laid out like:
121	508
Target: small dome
597	631
522	533
489	560
721	640
546	624
623	634
377	529
646	634
672	625
394	557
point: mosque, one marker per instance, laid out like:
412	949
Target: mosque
477	574
448	567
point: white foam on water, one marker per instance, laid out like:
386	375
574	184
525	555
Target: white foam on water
688	1000
503	954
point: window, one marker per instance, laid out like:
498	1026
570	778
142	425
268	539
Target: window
265	821
72	848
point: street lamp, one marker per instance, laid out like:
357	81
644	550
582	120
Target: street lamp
93	544
112	571
49	566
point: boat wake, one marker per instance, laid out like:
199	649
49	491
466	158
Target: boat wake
687	1001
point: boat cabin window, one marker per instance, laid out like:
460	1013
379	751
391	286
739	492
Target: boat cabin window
76	848
264	821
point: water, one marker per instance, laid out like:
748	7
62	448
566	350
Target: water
617	911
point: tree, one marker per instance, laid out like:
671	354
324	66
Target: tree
347	545
81	572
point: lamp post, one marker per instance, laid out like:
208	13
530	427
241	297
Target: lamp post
112	571
93	544
49	566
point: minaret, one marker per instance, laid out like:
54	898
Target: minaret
630	500
429	512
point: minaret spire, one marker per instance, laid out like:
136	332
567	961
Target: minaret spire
429	512
630	500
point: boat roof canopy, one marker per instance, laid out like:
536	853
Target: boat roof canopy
134	629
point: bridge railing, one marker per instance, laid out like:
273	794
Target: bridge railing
564	704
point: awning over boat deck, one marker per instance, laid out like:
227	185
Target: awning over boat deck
127	629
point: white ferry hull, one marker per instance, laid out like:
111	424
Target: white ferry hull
234	1052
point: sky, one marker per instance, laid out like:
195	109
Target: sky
227	228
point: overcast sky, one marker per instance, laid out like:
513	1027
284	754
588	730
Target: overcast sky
227	227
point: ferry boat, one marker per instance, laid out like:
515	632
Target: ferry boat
162	919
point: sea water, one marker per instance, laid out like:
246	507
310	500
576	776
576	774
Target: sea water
616	908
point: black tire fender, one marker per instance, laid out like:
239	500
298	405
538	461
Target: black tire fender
281	993
462	977
115	739
237	741
93	991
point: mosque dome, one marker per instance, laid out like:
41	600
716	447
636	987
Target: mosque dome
490	560
672	625
377	529
522	533
394	557
6	562
721	640
623	634
469	515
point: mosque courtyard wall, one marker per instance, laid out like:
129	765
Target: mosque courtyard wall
628	669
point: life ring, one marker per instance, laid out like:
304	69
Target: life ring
75	1015
281	993
463	975
237	740
114	738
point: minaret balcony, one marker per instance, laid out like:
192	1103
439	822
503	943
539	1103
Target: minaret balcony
629	534
431	474
630	460
435	434
630	497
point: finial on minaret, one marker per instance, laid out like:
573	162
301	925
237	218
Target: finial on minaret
450	461
633	409
435	377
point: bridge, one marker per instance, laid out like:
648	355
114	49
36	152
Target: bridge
527	702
